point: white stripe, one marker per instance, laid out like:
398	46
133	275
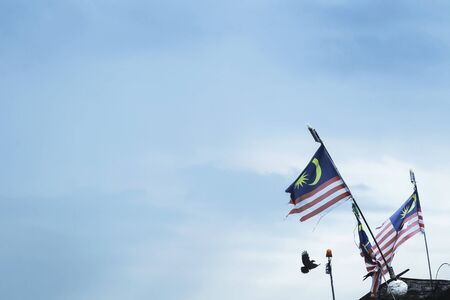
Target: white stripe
388	238
386	245
379	228
384	230
318	194
413	225
403	234
320	203
325	200
327	210
413	220
388	257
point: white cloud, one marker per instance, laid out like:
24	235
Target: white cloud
263	263
384	177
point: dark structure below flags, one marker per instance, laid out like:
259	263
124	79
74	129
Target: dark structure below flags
418	289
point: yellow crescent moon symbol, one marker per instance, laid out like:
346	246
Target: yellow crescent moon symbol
315	161
414	203
407	210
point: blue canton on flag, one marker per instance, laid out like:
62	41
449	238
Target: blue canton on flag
372	266
366	248
318	188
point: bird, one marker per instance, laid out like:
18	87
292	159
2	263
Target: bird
307	263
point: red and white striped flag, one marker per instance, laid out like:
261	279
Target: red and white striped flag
406	222
318	188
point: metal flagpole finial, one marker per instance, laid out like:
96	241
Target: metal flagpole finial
412	176
314	134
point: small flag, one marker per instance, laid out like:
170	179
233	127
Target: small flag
406	222
365	247
318	188
376	281
366	250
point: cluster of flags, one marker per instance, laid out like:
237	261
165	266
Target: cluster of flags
366	250
406	222
320	188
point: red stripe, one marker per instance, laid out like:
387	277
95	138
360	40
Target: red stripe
387	256
392	229
421	224
388	234
325	206
317	200
315	191
401	238
414	221
387	248
406	237
409	218
375	283
390	242
384	228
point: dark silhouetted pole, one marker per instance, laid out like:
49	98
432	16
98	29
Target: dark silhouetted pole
413	181
328	270
319	140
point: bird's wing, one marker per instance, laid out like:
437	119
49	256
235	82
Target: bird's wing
305	259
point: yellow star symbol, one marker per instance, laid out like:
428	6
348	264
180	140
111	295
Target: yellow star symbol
301	181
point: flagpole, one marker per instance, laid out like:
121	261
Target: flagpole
319	140
329	270
413	181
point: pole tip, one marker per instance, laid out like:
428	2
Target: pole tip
329	253
314	134
412	176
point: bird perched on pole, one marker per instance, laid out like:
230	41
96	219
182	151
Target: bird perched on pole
307	263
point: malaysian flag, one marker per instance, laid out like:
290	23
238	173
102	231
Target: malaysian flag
318	188
406	222
366	251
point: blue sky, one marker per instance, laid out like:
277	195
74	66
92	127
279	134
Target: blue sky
146	146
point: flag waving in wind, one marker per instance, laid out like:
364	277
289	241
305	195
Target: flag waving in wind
372	265
318	188
366	252
406	222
